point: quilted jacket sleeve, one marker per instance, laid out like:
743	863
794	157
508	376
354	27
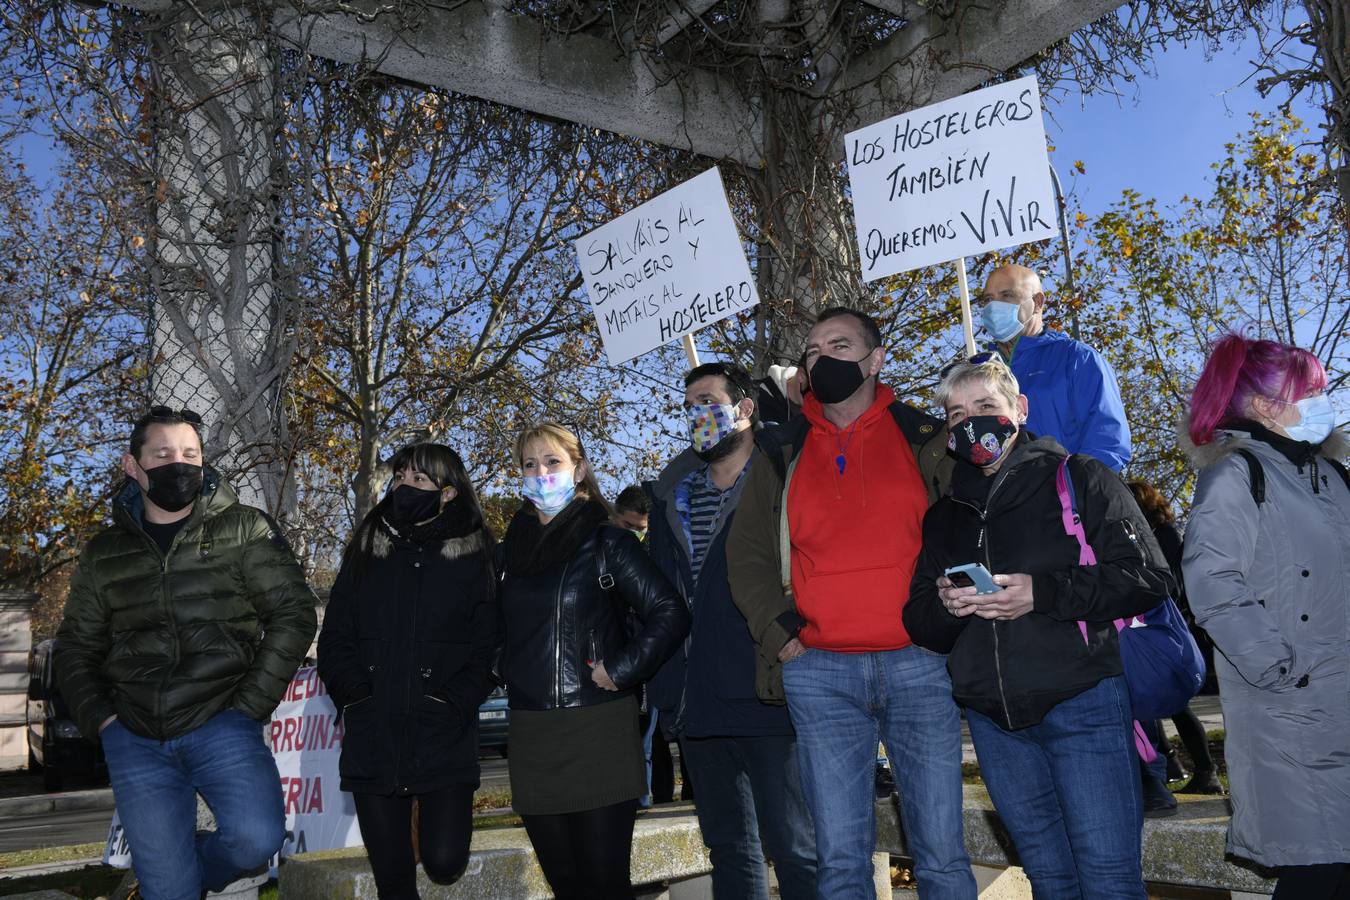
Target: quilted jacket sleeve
284	604
82	645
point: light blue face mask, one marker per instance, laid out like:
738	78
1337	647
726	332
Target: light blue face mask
1000	320
1316	419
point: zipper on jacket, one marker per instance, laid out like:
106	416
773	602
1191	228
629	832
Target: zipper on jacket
407	683
558	637
989	564
173	626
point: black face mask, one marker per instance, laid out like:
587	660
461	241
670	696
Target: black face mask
723	448
835	380
173	486
409	505
981	440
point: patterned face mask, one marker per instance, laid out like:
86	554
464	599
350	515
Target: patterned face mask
709	423
549	493
981	440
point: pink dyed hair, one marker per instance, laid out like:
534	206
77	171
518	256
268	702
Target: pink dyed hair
1239	369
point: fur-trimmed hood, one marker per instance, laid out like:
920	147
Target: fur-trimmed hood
451	548
1226	443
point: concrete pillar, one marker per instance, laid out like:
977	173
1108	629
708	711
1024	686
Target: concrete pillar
217	321
16	637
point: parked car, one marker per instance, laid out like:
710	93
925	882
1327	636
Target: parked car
55	745
493	718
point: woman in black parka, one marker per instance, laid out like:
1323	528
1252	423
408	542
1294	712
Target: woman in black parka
409	638
588	618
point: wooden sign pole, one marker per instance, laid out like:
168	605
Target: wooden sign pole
690	350
966	324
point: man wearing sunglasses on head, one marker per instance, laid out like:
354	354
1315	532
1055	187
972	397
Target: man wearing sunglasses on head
187	618
1071	389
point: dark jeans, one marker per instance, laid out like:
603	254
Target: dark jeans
1325	882
586	855
155	785
750	805
1067	789
444	826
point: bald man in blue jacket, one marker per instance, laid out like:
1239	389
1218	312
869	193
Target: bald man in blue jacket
1072	393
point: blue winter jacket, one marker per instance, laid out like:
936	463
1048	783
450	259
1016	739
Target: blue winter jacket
707	689
1072	396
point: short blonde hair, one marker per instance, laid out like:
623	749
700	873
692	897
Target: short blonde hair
991	371
566	440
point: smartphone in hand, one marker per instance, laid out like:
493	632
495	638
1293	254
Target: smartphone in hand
973	575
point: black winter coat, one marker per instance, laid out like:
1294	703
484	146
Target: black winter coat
1015	671
406	653
561	619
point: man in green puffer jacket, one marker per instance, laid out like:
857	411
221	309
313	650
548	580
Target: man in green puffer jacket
186	620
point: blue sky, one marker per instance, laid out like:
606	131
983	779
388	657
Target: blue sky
1162	133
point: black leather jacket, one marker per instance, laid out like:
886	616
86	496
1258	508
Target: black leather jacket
560	620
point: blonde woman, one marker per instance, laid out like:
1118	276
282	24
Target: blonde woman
573	664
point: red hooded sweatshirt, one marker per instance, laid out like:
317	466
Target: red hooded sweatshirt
856	533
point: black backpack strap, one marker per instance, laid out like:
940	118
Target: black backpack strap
1255	473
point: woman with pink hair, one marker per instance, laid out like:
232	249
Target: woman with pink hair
1267	562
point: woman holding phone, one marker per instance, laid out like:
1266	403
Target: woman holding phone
573	665
1046	702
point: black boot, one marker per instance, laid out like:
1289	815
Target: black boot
1203	782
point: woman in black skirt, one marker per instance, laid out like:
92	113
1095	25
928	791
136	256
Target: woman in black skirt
409	637
573	662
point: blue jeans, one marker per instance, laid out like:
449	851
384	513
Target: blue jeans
155	786
842	704
1067	789
749	791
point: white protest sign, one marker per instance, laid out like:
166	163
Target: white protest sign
306	742
951	180
666	268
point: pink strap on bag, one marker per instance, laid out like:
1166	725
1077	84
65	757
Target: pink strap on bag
1073	526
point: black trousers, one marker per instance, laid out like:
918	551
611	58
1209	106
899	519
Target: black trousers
585	855
444	827
1325	882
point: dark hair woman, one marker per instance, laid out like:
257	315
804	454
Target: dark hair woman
1267	561
409	637
573	665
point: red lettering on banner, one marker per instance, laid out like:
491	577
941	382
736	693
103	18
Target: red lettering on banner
292	787
303	795
305	684
298	733
288	730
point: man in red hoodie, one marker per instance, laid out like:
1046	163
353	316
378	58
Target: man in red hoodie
842	496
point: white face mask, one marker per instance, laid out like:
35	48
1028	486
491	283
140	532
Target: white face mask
1316	419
